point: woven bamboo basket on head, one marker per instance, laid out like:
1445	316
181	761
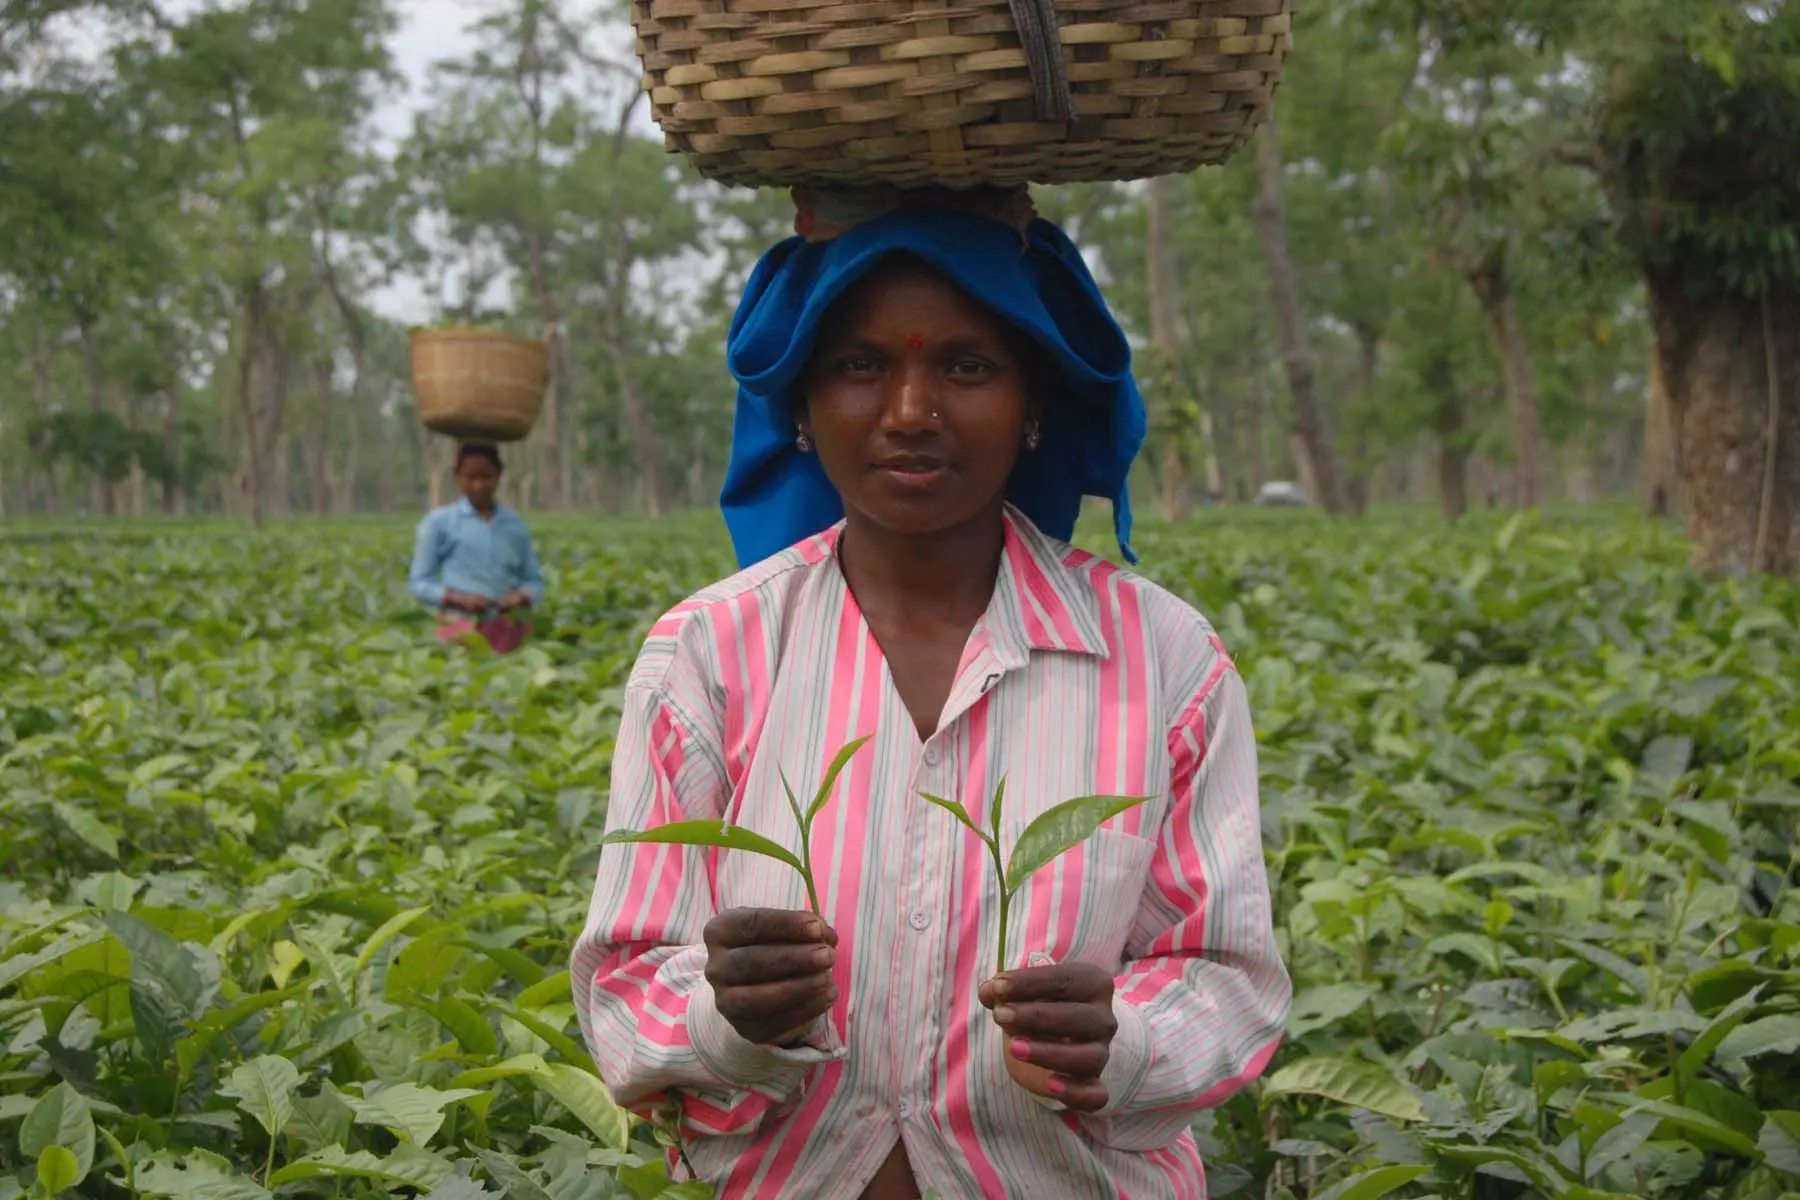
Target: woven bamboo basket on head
957	92
477	384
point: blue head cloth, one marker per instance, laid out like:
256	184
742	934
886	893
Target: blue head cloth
775	495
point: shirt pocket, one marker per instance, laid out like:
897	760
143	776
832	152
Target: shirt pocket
1080	906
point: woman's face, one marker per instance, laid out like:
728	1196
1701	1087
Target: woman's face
916	401
479	479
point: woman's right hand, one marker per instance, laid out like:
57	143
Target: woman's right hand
770	971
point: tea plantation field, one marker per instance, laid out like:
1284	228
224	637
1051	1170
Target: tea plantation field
287	891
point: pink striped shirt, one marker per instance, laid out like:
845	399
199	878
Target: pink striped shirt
1080	678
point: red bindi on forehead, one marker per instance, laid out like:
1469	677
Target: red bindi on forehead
916	341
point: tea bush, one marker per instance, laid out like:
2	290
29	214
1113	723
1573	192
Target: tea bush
287	891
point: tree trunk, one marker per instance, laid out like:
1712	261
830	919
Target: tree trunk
172	491
1452	456
317	450
1732	369
99	492
1254	437
43	404
134	481
1159	270
1662	467
1494	289
1356	479
1311	429
552	454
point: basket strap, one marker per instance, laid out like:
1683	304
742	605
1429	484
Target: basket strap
1042	42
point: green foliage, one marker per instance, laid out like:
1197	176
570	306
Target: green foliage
275	861
1699	141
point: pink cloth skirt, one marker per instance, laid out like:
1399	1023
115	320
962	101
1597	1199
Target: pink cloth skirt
503	633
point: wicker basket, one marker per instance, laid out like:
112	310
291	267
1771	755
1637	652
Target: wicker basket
788	92
479	385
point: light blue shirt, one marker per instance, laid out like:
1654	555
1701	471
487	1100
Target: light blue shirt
458	551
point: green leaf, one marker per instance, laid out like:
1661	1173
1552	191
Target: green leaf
995	807
956	810
552	989
1693	1060
412	1113
60	1118
512	1068
159	961
1321	1007
468	1025
1372	1185
1685	1119
571	1050
1779	1141
407	1166
1779	1034
1347	1081
388	931
832	772
57	1170
264	1087
1060	829
793	800
194	1175
89	828
590	1101
506	1172
716	834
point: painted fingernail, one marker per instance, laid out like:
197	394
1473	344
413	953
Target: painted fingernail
1057	1086
1004	1015
824	956
1021	1049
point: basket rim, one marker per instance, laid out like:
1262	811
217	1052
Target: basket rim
470	333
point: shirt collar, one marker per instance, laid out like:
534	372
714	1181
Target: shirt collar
1039	602
465	509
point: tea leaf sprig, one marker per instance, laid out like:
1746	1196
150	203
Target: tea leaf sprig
721	836
1050	834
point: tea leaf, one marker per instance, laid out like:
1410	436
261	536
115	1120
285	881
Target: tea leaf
60	1118
1780	1141
89	828
590	1101
838	763
58	1170
1372	1185
1347	1081
412	1113
711	833
1060	829
264	1087
407	1166
793	801
511	1177
956	810
194	1175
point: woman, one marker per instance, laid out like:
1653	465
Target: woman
925	396
475	557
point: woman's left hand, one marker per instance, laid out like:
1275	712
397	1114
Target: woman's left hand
1059	1025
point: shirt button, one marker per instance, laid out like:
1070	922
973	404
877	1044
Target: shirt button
905	1109
918	920
931	755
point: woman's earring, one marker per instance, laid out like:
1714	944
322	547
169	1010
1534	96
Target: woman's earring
804	442
1032	437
